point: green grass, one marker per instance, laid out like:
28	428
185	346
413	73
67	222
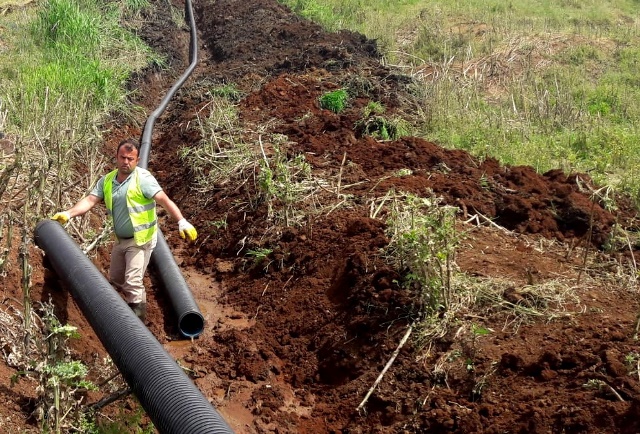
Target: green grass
546	84
64	65
63	70
336	100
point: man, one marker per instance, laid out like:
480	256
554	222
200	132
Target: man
130	194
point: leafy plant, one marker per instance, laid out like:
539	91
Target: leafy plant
336	100
218	224
282	184
60	377
374	124
259	255
227	91
422	246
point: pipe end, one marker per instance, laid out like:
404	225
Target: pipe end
191	324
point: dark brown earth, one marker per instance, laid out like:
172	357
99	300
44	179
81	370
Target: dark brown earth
294	346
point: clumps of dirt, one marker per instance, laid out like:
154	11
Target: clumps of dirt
324	312
328	310
262	48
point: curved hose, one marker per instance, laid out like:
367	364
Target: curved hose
172	401
190	320
145	142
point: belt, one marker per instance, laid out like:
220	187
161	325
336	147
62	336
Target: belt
124	238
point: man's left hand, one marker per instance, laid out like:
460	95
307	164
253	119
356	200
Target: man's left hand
187	230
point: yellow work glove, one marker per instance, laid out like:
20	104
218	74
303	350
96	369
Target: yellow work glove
187	230
61	217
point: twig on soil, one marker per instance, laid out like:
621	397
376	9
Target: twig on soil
336	206
588	243
106	230
344	187
285	283
378	182
633	259
386	367
241	243
344	158
492	223
472	218
264	156
202	243
109	379
109	399
617	395
374	214
317	182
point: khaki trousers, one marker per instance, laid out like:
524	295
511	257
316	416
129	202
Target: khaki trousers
128	265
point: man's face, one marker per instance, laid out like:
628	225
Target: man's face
127	160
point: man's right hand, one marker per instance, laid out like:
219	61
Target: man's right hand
61	217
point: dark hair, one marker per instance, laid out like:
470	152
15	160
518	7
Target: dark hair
129	145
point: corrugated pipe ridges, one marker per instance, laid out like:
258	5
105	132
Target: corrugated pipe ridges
172	401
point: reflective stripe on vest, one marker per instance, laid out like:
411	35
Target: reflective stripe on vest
142	211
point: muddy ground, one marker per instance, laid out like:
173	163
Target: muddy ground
294	344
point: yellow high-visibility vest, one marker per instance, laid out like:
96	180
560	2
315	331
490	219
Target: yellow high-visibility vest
142	210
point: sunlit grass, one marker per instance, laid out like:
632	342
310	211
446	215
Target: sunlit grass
63	70
64	66
546	84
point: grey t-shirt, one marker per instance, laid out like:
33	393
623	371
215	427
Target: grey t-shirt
121	220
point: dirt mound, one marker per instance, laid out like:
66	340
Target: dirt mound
293	344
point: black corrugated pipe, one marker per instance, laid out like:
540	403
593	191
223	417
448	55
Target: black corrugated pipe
172	401
190	320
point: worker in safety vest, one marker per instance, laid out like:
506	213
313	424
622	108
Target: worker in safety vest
130	194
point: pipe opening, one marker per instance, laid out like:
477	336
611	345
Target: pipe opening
191	324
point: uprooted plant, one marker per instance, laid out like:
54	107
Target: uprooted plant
283	183
423	244
335	100
374	123
222	157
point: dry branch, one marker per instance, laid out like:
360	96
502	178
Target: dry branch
386	367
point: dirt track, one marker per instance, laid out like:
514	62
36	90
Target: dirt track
294	347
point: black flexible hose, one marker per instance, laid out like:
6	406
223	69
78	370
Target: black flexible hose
190	320
145	142
172	401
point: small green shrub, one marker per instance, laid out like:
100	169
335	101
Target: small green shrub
381	127
283	183
336	100
227	91
423	242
